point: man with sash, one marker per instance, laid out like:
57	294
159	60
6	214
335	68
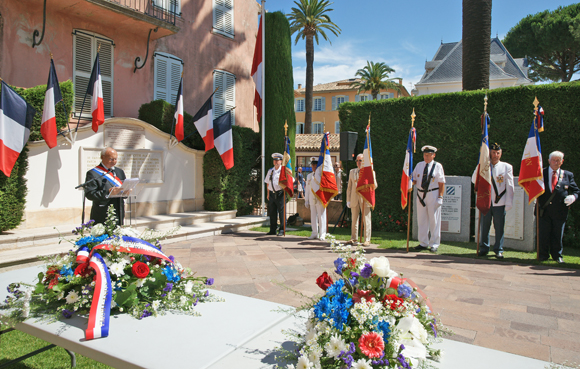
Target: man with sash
429	180
103	181
560	192
275	196
502	198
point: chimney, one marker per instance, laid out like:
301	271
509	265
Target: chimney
299	86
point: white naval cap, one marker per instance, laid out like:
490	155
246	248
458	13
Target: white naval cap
429	148
277	156
314	159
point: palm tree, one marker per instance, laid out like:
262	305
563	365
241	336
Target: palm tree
476	44
374	78
309	19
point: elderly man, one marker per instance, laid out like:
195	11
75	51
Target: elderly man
502	198
339	174
356	203
103	181
429	180
275	196
317	209
560	192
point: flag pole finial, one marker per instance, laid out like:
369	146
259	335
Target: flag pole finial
413	118
99	48
485	103
536	103
50	56
286	128
369	119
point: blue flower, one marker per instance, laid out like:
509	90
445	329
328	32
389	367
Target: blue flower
171	274
168	287
404	291
322	309
366	271
67	272
339	264
90	239
209	281
353	281
385	327
434	330
67	313
335	288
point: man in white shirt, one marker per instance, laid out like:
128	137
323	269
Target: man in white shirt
429	180
339	174
275	196
317	209
356	203
502	198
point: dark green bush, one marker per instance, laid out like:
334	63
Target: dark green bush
13	193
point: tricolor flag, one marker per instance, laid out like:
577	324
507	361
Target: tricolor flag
483	177
95	89
203	121
15	121
407	178
222	135
52	96
531	177
540	119
286	180
257	72
366	180
324	183
179	134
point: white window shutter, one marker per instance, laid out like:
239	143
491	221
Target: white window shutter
219	100
231	95
223	17
334	103
323	104
82	70
160	84
106	61
175	69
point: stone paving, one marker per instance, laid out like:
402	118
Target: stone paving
532	311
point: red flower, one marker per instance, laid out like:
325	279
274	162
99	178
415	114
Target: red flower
352	262
368	295
371	344
140	270
395	301
324	281
83	270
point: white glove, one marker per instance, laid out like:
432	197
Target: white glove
307	205
348	204
569	200
439	201
508	208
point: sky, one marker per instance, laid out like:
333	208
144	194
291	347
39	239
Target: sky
403	34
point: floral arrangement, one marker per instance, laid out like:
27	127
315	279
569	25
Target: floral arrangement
142	281
369	317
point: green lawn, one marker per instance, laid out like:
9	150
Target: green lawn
398	241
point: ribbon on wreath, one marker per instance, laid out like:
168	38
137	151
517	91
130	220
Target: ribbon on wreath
100	312
396	281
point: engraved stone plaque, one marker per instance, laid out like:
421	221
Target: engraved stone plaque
124	136
451	209
147	165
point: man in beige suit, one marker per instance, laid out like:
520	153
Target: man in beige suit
355	202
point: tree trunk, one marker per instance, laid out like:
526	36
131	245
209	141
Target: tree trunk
309	83
374	93
476	44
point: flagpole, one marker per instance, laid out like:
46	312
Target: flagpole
479	220
536	103
263	100
409	198
284	169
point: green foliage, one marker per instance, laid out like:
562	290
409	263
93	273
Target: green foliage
374	78
310	19
551	41
13	193
452	123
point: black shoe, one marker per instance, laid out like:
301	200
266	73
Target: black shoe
420	248
543	259
271	233
482	253
499	255
560	261
281	233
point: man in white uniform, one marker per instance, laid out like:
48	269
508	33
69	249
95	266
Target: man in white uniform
275	196
355	202
429	180
317	209
502	198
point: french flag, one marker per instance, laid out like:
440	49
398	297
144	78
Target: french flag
531	178
203	121
324	184
286	180
406	179
52	96
540	119
15	121
179	134
95	89
223	140
366	180
257	72
483	178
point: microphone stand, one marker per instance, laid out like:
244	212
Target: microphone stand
84	196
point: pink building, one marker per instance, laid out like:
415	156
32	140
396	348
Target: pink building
210	41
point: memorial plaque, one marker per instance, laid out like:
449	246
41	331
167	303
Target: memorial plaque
147	165
451	209
124	136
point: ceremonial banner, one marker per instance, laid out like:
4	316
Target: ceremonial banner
407	177
531	177
95	89
286	180
223	140
483	178
179	133
257	73
324	181
52	96
366	180
203	121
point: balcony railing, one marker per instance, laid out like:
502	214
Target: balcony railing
164	10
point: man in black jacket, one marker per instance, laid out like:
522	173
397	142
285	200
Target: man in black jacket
560	192
103	181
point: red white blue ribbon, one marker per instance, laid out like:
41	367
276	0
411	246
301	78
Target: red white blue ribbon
110	176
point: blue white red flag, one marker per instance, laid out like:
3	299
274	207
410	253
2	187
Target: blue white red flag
531	178
95	89
483	177
257	73
223	139
324	183
366	179
15	121
286	179
540	119
407	177
52	96
179	133
203	121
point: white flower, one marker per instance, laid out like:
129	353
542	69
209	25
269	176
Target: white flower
188	287
72	297
303	363
155	304
140	282
98	230
60	296
362	363
113	304
411	336
335	346
117	269
25	310
381	267
182	300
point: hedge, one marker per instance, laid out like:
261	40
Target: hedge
452	123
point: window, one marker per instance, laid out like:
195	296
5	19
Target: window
366	97
168	70
337	100
337	127
387	95
299	128
225	97
316	127
172	6
223	17
299	105
85	45
318	104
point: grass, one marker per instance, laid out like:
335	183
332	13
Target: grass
398	241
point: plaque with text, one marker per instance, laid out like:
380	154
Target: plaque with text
451	209
124	136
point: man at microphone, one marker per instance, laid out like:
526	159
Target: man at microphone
104	180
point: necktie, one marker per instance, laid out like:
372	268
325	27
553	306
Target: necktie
425	180
554	179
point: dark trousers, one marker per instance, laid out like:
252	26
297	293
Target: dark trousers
276	209
551	234
497	214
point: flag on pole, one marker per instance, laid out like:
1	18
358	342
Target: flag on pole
203	121
324	181
407	178
483	177
531	177
539	118
286	180
52	96
95	89
224	144
15	121
366	179
179	134
257	72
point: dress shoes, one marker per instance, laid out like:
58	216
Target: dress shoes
499	255
433	250
420	248
312	236
560	261
281	233
271	233
482	253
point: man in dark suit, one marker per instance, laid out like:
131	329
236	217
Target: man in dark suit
103	181
560	192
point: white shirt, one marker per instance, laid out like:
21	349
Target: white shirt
503	175
438	174
275	174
